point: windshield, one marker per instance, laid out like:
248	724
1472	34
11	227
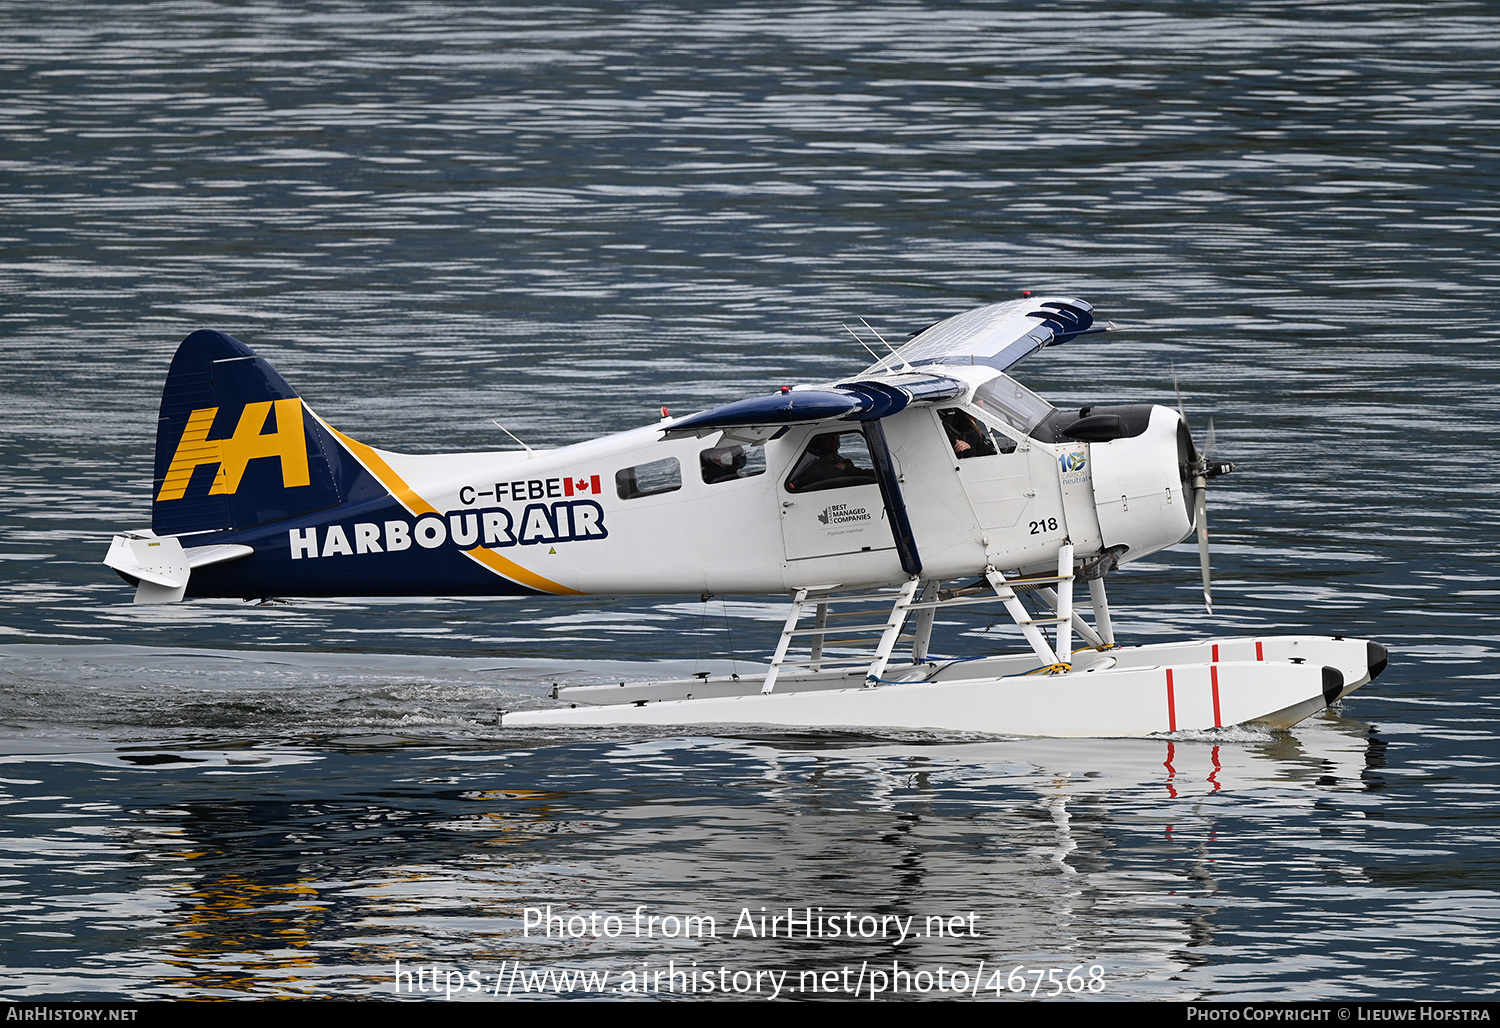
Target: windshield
1008	399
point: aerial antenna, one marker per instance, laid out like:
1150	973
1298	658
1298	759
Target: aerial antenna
529	451
888	346
861	342
877	335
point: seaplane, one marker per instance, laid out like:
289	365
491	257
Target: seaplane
929	481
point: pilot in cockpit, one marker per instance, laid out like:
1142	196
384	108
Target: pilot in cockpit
967	436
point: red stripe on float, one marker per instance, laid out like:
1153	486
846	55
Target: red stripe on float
1216	653
1260	653
1214	671
1171	704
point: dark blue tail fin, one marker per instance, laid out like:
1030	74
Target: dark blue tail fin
236	449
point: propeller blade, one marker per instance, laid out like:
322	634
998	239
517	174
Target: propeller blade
1200	471
1200	504
1181	413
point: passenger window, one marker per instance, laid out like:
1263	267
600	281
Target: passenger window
833	460
660	476
969	437
727	463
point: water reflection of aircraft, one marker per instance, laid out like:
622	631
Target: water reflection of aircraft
929	481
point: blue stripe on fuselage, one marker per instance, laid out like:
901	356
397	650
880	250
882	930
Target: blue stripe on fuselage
381	549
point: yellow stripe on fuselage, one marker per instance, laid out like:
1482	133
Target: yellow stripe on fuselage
409	499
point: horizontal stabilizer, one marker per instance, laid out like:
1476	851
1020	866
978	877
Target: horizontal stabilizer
202	556
159	566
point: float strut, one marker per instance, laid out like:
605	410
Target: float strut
786	640
1100	603
892	631
1065	603
1081	626
820	624
922	631
1021	617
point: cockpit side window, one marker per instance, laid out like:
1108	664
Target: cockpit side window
728	463
968	437
832	460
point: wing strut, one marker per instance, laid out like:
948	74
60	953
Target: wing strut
890	494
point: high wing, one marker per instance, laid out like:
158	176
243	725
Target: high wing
863	400
998	336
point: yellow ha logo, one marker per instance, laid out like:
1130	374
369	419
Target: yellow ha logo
234	453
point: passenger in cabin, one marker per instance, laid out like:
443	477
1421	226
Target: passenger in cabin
822	466
967	436
722	463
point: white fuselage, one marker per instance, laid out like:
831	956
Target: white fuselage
1010	509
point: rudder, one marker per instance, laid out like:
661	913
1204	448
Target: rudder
236	448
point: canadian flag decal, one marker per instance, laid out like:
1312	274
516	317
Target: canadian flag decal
581	485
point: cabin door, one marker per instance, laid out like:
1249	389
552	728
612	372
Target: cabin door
994	472
830	502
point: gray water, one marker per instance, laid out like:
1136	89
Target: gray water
565	217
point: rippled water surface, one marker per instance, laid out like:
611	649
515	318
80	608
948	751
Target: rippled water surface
564	217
